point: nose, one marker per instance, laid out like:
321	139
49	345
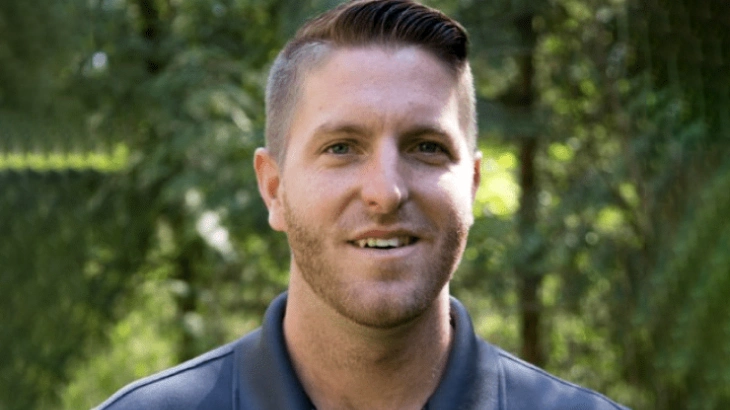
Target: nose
384	185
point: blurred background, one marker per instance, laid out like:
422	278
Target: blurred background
133	237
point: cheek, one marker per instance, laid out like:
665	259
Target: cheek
455	197
314	195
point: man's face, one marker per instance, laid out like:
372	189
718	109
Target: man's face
376	190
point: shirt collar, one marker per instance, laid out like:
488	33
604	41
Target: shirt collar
267	379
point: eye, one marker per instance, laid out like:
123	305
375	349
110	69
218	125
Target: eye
431	151
340	148
430	147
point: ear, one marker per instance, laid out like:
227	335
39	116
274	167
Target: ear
269	181
477	177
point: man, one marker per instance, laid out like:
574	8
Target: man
370	168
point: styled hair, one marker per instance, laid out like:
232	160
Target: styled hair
362	23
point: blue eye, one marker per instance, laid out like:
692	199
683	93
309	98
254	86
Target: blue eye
339	148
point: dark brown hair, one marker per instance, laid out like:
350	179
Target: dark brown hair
361	23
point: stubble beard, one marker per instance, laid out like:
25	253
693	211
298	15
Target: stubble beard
321	272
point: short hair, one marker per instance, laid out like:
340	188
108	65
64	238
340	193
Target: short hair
361	23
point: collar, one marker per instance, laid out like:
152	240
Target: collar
266	378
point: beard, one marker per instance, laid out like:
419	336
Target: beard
400	293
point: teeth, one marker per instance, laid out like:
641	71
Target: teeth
384	243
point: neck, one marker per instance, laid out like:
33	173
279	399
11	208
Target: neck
344	365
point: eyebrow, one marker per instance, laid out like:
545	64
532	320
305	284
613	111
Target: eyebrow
427	130
340	128
355	129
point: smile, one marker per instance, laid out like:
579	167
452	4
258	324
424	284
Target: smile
389	243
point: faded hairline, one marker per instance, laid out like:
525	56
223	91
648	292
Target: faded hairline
286	82
284	86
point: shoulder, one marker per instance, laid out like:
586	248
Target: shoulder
202	382
526	386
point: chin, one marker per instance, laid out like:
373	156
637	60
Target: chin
384	306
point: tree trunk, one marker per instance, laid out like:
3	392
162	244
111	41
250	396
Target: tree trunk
529	278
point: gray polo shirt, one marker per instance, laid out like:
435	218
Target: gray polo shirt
255	372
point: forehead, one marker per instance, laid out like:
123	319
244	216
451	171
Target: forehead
368	64
376	80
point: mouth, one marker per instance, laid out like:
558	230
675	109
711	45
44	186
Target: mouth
385	243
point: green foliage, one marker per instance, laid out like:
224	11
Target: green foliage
632	155
61	274
140	343
686	309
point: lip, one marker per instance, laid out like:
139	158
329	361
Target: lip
384	234
379	233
